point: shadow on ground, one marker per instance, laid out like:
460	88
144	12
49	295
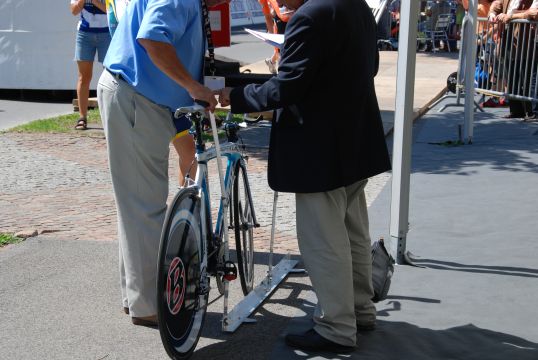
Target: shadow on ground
497	144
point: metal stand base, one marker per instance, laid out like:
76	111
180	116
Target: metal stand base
275	275
409	259
257	296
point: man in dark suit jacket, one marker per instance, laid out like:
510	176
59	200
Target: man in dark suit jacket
327	139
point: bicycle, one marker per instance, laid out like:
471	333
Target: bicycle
192	250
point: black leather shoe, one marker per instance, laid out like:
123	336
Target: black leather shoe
366	326
312	341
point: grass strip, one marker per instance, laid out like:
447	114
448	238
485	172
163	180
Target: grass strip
6	239
58	124
66	123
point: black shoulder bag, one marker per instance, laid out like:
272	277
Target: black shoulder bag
382	270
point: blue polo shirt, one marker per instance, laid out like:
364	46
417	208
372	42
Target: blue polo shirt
177	22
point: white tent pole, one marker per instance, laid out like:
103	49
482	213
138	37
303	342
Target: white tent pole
403	122
470	58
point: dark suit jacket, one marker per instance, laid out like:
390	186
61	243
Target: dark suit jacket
327	132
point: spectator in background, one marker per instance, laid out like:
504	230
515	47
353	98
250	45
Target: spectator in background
460	14
281	15
394	9
92	37
530	14
482	11
270	24
505	11
115	10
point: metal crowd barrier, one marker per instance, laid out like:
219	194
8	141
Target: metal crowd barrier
507	59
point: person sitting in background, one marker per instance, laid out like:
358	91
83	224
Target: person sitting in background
92	37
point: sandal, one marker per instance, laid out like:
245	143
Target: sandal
82	124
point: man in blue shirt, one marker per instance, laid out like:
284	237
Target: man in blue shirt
153	66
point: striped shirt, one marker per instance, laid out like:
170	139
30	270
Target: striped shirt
92	19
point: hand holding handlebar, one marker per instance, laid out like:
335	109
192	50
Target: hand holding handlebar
203	94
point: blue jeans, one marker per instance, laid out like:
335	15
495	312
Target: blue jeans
88	43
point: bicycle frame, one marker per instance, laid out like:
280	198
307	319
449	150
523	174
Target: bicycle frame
232	153
209	242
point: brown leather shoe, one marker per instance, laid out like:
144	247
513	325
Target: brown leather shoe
126	310
150	321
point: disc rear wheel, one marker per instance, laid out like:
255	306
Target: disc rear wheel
181	289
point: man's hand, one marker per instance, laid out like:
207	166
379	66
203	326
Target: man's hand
531	14
504	18
199	92
224	96
77	7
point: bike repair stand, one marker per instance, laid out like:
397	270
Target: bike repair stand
275	275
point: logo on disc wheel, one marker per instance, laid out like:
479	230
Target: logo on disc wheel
175	286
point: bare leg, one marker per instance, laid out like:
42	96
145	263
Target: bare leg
85	69
187	163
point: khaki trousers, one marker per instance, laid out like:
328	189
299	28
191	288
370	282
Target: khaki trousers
138	134
334	240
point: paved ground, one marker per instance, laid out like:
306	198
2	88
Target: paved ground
59	185
470	221
66	175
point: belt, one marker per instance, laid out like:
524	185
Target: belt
117	76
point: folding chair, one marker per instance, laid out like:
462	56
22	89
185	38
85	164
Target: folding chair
440	31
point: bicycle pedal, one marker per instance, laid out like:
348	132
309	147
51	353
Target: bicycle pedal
228	271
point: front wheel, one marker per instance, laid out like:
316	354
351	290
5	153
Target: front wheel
181	289
243	223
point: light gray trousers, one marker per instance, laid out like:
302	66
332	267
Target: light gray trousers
138	134
334	240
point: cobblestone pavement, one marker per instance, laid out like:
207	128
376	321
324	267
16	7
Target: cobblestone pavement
59	183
